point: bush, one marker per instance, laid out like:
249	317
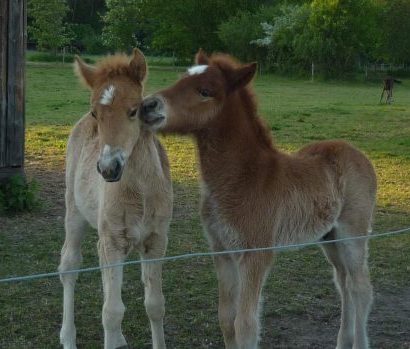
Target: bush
18	195
285	39
239	32
47	25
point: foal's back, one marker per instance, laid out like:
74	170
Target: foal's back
323	185
351	178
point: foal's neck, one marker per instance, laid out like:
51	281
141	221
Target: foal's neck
237	141
144	168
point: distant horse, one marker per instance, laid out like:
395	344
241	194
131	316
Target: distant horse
254	195
118	181
388	84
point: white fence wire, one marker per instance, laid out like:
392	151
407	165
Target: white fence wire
203	254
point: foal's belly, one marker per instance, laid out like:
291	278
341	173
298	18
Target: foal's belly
273	228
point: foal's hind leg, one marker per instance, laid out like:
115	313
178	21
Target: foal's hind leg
358	282
228	282
346	332
353	256
70	259
154	247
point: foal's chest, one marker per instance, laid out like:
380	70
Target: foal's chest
221	234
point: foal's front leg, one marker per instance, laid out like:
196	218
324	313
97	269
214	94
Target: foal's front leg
111	252
70	259
154	247
253	268
227	273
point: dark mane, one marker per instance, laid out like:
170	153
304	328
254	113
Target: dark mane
247	98
224	60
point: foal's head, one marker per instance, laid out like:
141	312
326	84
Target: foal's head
199	96
116	85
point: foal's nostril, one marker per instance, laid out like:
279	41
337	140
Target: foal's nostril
153	104
150	105
117	169
113	171
152	111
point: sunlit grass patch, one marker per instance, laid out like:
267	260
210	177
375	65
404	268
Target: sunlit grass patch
46	145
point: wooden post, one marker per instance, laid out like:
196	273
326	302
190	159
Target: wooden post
3	79
12	86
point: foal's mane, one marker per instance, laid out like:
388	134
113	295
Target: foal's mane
247	99
114	66
111	67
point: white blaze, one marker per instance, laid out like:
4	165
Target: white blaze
109	154
197	69
106	157
106	149
108	95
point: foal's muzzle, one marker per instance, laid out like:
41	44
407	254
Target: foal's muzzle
152	111
112	171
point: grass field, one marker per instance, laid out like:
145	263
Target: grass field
301	306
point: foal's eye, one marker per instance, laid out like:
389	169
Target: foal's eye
132	113
93	115
205	92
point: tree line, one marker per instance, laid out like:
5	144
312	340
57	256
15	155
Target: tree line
338	36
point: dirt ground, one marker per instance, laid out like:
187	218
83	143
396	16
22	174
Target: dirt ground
388	326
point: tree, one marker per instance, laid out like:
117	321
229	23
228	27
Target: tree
123	24
87	12
47	25
339	31
180	27
334	34
396	29
239	32
85	22
177	27
285	36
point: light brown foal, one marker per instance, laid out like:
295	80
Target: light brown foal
254	195
118	181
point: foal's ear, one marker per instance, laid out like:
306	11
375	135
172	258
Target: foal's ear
240	77
201	58
85	72
138	66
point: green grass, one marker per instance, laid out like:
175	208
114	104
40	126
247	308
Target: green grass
300	300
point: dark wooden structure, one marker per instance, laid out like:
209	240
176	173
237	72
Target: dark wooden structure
13	39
